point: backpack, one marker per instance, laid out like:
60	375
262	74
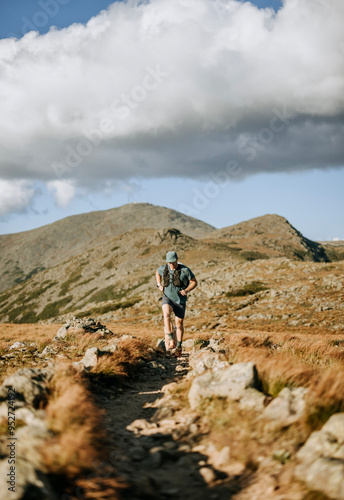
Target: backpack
166	277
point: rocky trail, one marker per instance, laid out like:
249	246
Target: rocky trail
155	444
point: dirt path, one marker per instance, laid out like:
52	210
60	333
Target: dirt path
154	444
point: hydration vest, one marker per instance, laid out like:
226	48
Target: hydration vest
167	277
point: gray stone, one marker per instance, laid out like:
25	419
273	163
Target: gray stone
61	333
18	345
49	349
252	399
188	344
230	382
325	475
91	357
321	459
30	385
111	347
288	407
204	360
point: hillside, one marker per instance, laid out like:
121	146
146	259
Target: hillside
269	236
24	254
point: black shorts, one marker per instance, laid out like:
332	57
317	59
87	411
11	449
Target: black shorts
178	309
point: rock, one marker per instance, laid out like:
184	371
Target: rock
80	326
49	349
17	345
30	385
188	344
91	357
252	400
156	365
230	382
111	347
207	474
61	333
288	407
29	482
216	344
204	360
224	456
79	366
321	459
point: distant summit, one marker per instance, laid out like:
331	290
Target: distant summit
268	236
24	254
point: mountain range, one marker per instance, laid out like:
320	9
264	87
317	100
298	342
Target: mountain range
94	262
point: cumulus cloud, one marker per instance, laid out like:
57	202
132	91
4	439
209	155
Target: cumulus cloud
157	88
15	196
63	192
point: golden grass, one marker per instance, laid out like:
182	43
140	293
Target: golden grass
124	363
283	360
79	444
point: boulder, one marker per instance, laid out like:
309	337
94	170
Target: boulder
204	360
288	407
30	385
321	459
80	326
230	383
61	333
91	357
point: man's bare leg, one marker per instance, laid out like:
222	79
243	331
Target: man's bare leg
169	342
180	333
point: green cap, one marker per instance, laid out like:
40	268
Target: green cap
171	257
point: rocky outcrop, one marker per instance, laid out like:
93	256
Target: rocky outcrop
321	459
288	407
230	383
81	326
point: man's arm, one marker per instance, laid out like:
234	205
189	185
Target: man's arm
158	281
192	284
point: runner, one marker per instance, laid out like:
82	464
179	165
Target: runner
175	281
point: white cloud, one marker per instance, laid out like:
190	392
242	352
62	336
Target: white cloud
226	67
63	192
15	196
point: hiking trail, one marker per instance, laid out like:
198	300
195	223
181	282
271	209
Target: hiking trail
154	441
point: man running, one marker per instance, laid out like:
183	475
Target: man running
175	281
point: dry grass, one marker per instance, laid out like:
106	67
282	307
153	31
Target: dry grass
284	360
125	362
79	443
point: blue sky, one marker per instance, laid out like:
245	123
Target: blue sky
310	198
20	16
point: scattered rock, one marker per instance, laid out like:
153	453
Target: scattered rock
81	326
18	345
207	474
288	407
188	344
49	349
91	357
321	459
30	385
230	382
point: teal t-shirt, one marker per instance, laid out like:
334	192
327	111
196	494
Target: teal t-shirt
171	291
